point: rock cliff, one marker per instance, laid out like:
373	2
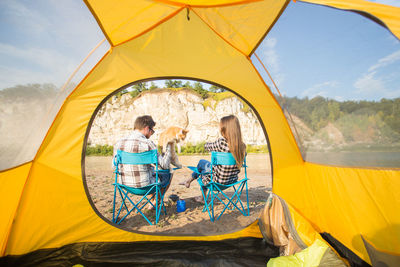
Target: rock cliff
183	108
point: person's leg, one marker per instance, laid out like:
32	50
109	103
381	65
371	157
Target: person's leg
205	180
152	180
202	167
165	182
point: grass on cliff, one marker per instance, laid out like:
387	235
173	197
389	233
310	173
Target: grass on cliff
217	97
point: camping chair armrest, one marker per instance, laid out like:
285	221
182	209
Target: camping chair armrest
194	169
167	171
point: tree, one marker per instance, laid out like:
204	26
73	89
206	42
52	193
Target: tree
334	111
216	89
198	87
173	84
140	86
153	86
188	85
27	91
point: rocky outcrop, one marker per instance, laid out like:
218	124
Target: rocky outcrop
183	108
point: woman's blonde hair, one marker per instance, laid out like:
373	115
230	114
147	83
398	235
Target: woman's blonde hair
230	130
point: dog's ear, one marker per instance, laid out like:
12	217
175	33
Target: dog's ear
185	131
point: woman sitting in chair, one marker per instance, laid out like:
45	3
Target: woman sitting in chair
231	141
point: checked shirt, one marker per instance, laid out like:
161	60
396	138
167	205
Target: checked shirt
223	174
139	175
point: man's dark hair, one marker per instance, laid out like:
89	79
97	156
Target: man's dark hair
143	121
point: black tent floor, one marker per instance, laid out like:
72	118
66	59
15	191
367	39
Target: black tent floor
230	252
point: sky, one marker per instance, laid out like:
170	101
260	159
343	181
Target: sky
310	51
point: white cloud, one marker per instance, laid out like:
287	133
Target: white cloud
368	85
270	59
319	89
269	54
44	58
338	98
374	82
46	40
385	61
33	65
10	77
27	19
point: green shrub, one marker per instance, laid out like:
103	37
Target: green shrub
257	149
193	149
99	150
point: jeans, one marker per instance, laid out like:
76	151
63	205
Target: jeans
202	167
163	177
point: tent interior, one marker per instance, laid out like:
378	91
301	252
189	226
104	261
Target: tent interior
320	76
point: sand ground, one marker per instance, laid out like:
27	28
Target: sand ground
192	221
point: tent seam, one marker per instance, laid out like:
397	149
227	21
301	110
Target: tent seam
363	13
217	33
39	150
170	16
16	210
169	2
276	101
98	22
283	104
270	27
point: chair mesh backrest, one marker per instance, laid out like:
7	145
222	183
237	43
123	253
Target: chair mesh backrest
222	158
148	157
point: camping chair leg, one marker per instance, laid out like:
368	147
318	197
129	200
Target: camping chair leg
122	204
207	203
158	209
233	206
115	193
213	196
226	205
247	196
232	201
238	194
148	200
135	206
205	199
212	218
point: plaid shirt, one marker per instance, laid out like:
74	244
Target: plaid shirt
139	175
223	174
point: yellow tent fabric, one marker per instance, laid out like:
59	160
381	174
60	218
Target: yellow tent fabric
388	15
198	40
240	23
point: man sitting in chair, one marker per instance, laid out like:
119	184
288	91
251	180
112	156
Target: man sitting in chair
138	141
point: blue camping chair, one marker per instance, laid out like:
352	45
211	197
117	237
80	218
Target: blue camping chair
215	191
152	190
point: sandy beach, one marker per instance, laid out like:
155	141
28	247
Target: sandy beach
192	221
